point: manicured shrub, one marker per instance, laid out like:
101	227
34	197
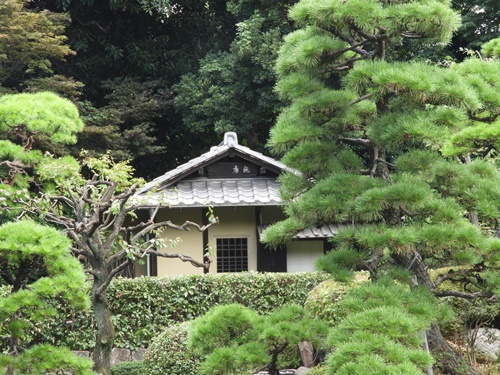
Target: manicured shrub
323	300
169	354
234	339
128	368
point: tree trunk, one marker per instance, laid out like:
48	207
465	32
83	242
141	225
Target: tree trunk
105	329
272	367
447	359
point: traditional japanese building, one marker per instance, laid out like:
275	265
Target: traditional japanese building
240	186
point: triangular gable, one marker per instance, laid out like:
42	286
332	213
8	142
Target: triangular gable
229	147
228	175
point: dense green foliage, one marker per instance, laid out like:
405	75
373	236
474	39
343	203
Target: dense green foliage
235	339
480	23
323	301
404	150
129	54
169	353
31	42
54	121
143	307
43	113
157	80
381	332
233	89
36	264
129	368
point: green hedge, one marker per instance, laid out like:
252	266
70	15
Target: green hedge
128	368
143	307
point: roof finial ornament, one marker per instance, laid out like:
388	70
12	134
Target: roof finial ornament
230	139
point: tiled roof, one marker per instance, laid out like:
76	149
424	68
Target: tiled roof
230	143
326	231
218	192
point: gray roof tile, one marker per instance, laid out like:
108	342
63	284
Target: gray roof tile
326	231
218	192
230	143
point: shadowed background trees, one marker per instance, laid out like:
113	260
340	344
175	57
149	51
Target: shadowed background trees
156	80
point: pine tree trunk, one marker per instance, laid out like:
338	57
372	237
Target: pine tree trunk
447	359
105	329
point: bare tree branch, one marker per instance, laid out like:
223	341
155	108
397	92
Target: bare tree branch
115	271
182	257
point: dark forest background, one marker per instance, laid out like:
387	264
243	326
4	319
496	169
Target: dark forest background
158	82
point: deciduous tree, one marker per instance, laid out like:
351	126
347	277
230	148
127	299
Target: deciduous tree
97	214
31	41
233	89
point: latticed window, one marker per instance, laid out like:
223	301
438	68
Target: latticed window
232	254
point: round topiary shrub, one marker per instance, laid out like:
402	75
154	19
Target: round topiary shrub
322	300
169	354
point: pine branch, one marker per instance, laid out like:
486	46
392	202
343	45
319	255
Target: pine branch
454	293
356	141
412	35
360	99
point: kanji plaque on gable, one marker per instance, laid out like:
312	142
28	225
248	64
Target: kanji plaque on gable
236	169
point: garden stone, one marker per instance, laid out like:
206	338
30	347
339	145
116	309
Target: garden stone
306	353
138	355
302	370
488	342
119	356
82	353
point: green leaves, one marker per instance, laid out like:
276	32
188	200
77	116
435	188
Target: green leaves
31	40
35	261
44	358
236	339
491	48
381	331
143	306
46	113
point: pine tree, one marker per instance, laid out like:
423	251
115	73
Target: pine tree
403	151
235	339
36	264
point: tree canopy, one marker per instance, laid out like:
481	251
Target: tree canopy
35	262
233	89
402	151
32	41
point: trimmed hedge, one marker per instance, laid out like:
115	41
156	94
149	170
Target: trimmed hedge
128	368
143	307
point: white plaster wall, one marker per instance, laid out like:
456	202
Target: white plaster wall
301	255
191	242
